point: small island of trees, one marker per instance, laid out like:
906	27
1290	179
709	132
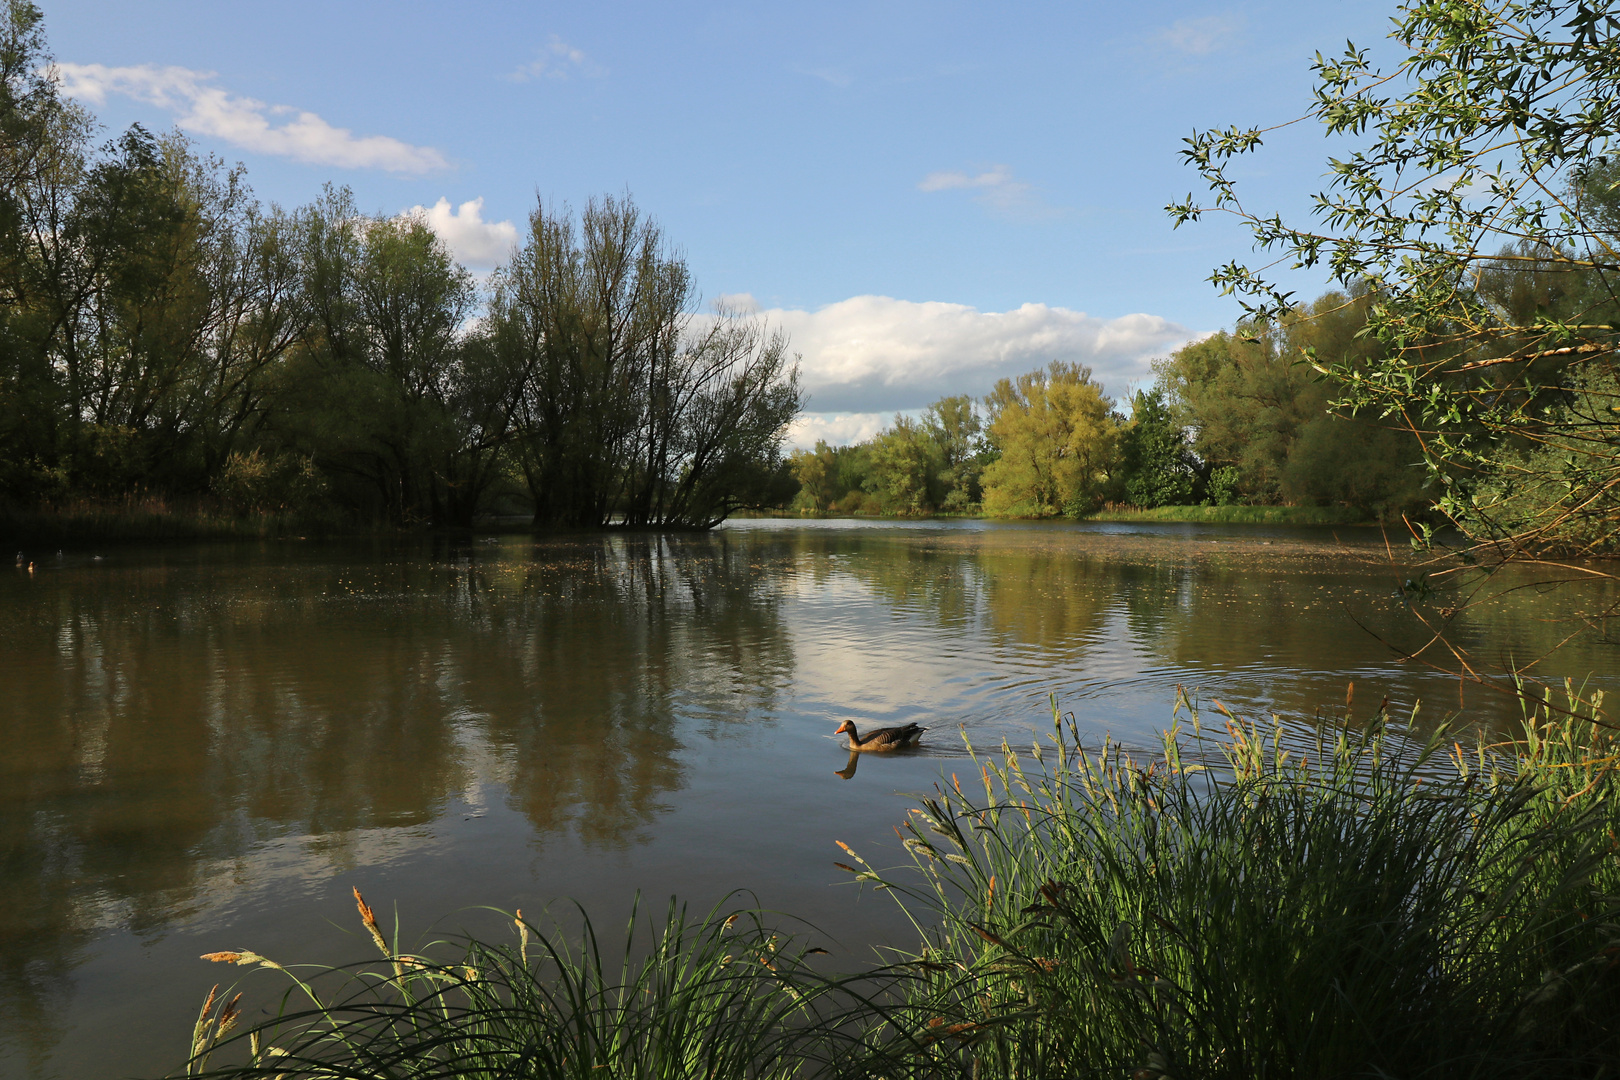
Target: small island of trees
171	346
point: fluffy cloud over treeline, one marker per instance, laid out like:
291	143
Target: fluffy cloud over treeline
878	355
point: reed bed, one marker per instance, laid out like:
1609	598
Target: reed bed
724	995
1249	901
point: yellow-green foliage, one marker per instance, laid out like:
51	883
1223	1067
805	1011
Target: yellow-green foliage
1057	440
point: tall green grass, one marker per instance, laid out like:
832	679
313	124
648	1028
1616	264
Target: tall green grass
724	995
1249	901
1351	904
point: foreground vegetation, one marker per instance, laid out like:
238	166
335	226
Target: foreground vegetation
1343	902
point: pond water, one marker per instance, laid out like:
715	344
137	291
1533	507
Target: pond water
206	747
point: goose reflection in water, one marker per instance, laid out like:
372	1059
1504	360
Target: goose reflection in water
848	771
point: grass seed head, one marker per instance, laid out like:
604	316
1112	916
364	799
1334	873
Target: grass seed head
369	919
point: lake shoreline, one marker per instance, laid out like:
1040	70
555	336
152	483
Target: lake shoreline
140	523
1172	515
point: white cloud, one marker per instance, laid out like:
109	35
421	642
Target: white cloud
996	188
742	303
206	109
838	429
876	355
1201	36
557	60
999	177
474	241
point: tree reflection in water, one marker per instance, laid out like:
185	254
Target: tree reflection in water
175	712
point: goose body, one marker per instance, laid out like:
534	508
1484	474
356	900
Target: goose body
889	738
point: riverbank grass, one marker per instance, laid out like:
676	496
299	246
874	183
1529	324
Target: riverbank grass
1250	900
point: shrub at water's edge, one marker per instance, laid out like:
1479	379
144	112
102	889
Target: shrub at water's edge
1261	902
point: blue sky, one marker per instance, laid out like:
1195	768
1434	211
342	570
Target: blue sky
927	195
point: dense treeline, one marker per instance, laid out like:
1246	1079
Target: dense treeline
1235	418
165	336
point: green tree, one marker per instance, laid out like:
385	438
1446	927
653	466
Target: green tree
162	331
1058	443
43	149
386	360
817	473
1157	464
958	430
628	407
1477	205
905	460
1264	421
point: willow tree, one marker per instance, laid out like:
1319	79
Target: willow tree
395	393
144	296
1058	443
1475	202
633	409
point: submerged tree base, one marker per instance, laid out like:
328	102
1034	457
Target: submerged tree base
1258	902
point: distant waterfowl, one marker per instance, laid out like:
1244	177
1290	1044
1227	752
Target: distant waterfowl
888	738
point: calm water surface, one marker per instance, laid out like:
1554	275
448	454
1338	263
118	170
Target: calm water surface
205	748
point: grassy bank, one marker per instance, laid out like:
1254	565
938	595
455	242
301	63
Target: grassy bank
1245	903
1239	515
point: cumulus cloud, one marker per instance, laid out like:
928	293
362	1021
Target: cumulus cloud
474	241
1201	36
557	60
203	108
837	429
875	355
996	188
